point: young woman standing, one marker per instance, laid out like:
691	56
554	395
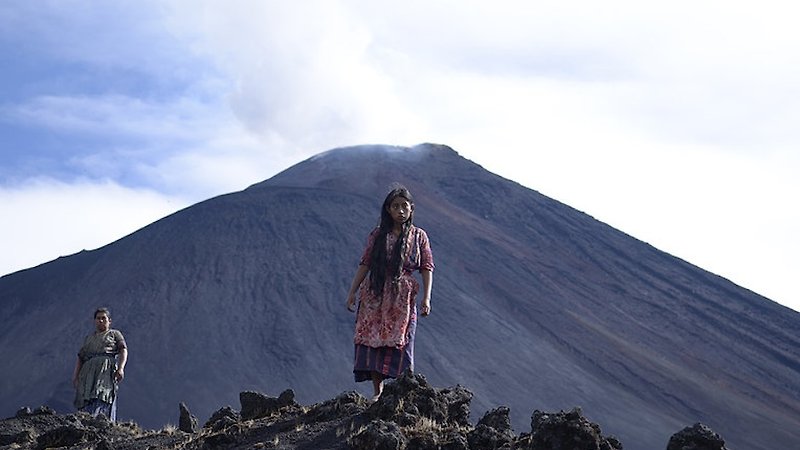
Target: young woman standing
386	316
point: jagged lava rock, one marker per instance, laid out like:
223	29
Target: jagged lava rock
346	404
256	405
379	435
493	430
568	430
410	397
186	421
431	419
222	418
79	431
696	437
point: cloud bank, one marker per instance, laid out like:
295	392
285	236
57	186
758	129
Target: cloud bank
673	122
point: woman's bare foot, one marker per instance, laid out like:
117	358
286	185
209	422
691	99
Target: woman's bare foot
377	385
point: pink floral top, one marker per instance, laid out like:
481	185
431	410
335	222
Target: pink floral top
383	321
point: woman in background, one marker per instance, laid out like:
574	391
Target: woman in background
97	372
386	319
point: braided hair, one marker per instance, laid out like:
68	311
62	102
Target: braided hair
378	270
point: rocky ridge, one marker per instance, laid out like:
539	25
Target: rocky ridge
411	414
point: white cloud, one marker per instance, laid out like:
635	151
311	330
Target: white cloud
673	122
231	160
180	146
45	219
300	72
728	213
117	116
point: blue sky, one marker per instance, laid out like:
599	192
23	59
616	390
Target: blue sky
675	123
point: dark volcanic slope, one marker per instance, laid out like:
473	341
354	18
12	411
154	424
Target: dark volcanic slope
535	306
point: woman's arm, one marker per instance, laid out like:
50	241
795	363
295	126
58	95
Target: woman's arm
361	273
123	359
76	372
427	285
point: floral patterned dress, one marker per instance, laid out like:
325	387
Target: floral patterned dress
386	323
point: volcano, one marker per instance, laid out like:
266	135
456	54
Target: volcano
535	306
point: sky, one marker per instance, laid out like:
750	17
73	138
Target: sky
675	122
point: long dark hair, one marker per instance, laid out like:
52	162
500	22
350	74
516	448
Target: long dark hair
378	267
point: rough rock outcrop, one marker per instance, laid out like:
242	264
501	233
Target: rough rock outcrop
379	435
222	418
256	405
43	428
696	437
409	399
19	438
410	415
66	436
186	421
346	404
570	430
493	431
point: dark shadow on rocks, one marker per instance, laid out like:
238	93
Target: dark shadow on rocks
65	436
19	439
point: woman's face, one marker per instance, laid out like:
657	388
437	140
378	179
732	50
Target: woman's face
400	210
102	322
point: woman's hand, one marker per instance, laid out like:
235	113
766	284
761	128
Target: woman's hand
123	359
361	273
426	306
427	283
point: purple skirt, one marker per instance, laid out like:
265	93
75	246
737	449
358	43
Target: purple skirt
388	361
